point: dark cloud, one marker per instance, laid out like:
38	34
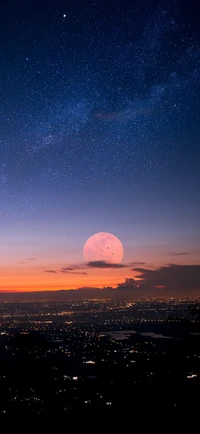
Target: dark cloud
129	283
180	254
103	264
140	269
133	264
72	268
96	264
74	272
137	263
69	270
172	277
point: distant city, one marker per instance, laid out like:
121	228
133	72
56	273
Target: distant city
98	355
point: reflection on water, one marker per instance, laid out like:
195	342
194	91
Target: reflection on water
120	335
156	335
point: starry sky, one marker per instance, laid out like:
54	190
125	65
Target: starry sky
99	132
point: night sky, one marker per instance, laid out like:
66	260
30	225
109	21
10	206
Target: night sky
99	132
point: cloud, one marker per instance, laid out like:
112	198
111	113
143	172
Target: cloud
72	268
77	269
103	264
168	280
141	270
129	283
69	270
172	277
133	264
180	254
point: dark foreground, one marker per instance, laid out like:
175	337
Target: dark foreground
102	370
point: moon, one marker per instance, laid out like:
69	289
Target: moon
103	246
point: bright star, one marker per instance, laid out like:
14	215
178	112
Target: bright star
64	16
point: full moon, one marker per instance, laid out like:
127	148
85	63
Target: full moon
103	247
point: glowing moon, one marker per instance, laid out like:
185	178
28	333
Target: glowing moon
103	247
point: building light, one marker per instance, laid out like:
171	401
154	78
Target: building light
192	376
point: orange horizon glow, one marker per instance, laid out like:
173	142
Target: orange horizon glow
61	283
27	273
32	278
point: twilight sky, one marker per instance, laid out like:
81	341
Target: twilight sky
99	132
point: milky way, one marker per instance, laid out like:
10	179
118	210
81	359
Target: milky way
98	100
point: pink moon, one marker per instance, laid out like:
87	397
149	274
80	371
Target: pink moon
103	246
